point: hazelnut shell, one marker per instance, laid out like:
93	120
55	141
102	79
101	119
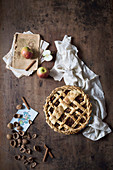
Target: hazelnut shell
17	116
23	157
28	151
19	128
26	162
9	136
22	150
18	157
13	143
21	133
30	122
33	165
30	159
19	106
36	148
16	124
19	141
34	136
24	141
15	135
10	125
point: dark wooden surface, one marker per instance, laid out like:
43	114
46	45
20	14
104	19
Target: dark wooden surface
90	23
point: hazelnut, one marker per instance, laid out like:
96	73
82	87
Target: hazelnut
34	135
30	122
17	116
36	148
23	157
15	135
19	106
18	145
28	135
25	141
18	157
30	159
16	124
9	136
33	165
25	137
28	151
10	125
21	133
14	131
22	150
26	162
19	141
22	146
13	143
19	128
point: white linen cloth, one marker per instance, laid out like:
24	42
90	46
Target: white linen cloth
75	72
8	58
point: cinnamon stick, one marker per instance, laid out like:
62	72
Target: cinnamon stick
50	154
44	158
30	65
25	102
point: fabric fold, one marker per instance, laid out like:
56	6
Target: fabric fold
74	72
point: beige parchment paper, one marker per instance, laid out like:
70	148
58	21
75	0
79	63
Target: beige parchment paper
26	40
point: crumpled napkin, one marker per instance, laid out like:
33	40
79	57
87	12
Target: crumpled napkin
8	59
69	66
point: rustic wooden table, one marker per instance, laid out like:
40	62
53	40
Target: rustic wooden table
90	23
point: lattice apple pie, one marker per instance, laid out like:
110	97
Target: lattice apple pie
67	109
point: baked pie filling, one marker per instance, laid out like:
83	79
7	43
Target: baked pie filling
67	109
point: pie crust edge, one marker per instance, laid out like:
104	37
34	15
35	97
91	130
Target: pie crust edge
89	110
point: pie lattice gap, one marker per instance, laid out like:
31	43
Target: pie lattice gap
67	109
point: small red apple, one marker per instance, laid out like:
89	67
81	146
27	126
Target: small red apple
42	72
27	52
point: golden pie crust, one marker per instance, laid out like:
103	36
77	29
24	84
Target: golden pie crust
67	109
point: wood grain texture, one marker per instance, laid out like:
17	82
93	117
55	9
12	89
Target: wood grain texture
90	23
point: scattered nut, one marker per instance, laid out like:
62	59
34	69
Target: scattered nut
18	157
14	131
13	143
33	165
30	122
16	124
36	148
30	159
9	136
34	135
28	151
15	135
23	157
19	128
26	162
21	133
10	125
17	116
19	141
22	150
18	144
25	141
19	106
23	146
28	136
25	137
